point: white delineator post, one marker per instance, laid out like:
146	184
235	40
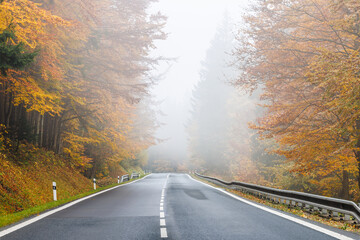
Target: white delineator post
118	179
94	184
54	191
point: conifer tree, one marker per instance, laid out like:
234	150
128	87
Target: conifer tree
13	56
208	125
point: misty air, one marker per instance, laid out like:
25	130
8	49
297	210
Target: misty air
179	119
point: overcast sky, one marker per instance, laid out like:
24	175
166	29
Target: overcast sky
191	26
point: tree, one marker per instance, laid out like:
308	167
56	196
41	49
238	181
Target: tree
13	56
286	48
80	96
208	126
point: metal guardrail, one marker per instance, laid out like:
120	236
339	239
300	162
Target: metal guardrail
135	175
326	206
125	178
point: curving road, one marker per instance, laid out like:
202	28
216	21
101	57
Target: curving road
171	206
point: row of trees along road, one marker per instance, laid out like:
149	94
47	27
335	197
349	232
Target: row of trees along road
74	78
305	56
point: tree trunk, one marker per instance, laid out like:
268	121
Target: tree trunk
41	130
38	122
3	96
8	111
345	186
357	150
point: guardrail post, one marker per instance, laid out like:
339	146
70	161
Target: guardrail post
94	180
347	217
324	213
54	191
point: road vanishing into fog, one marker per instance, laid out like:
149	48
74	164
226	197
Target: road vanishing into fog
172	206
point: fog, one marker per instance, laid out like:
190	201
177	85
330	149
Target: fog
191	28
264	92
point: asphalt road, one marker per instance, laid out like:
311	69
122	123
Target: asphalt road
166	205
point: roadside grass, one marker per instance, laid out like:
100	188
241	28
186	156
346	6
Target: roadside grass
297	211
8	219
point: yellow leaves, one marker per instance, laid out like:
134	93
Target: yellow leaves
26	91
30	21
306	55
5	19
87	78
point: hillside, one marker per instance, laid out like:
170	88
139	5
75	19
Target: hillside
27	182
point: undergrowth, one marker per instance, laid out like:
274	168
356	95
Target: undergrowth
15	217
26	178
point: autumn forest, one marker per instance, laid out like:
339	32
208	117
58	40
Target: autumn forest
277	104
299	127
74	82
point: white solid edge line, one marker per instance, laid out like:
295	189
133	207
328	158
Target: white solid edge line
163	233
37	218
299	221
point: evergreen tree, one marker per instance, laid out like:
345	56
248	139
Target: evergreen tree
13	56
208	126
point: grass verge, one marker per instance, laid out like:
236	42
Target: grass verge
285	208
15	217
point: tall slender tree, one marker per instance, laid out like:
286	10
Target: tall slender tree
208	126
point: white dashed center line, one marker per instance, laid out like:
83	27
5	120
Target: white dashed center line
162	223
163	231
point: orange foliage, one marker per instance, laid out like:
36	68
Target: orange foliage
81	94
305	54
26	185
